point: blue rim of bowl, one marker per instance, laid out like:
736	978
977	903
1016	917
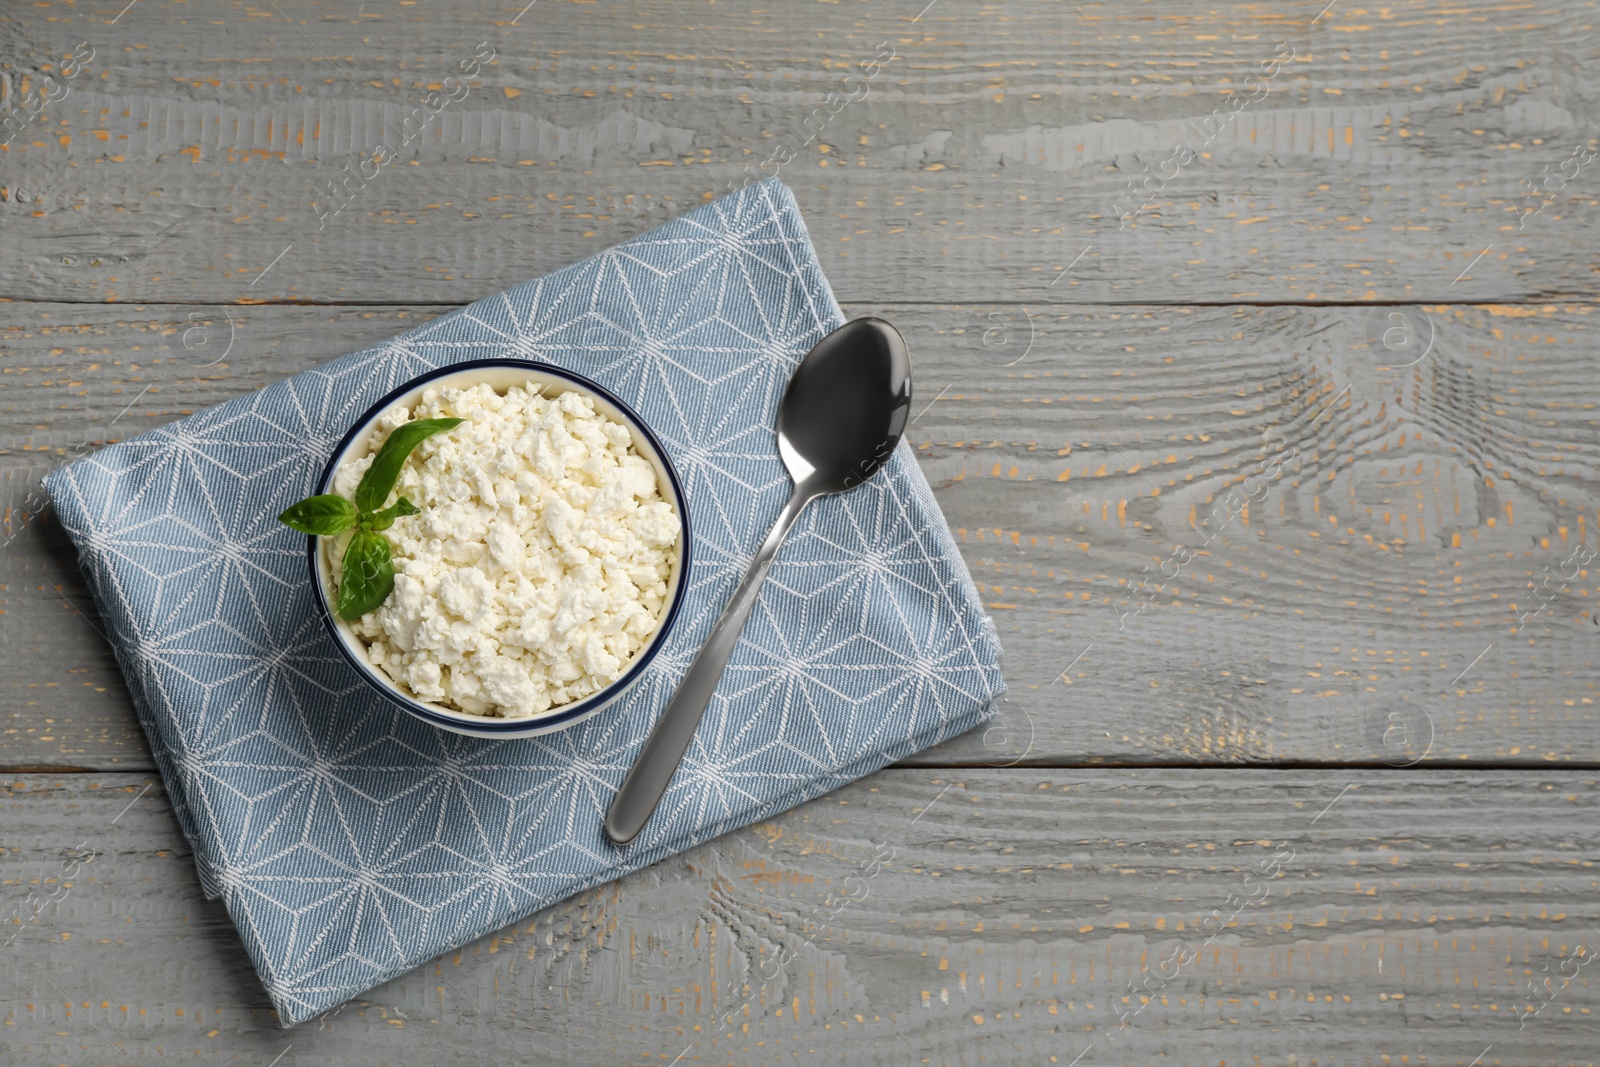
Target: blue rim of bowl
568	712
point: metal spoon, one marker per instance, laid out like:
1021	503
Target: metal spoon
839	421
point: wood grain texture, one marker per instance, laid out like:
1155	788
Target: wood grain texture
1389	159
1007	916
1339	611
1090	394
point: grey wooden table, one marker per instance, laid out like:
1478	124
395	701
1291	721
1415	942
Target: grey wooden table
1299	760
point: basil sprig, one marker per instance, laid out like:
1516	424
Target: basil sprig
368	562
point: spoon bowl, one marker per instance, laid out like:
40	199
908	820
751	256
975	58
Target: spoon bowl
839	421
845	407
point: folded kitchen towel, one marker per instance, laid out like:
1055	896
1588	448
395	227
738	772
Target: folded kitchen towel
351	842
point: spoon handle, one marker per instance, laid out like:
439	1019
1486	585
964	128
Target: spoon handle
643	788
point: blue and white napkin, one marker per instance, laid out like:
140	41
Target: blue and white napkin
352	842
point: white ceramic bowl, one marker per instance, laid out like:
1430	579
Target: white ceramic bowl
501	374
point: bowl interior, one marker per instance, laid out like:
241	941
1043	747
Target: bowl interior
501	375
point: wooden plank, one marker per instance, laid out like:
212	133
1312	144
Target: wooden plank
989	916
1339	619
1390	159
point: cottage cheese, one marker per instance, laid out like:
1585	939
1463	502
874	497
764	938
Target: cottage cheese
539	564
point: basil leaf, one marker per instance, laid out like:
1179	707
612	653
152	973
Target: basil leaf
382	520
379	480
326	515
368	575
